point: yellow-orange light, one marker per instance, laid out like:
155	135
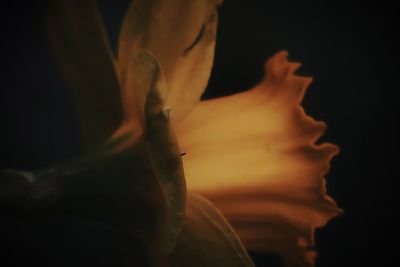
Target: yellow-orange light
254	156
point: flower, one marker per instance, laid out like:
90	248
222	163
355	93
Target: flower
252	154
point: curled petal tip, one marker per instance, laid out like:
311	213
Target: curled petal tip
280	57
335	150
293	67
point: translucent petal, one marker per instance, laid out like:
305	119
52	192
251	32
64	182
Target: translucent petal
207	239
170	29
254	156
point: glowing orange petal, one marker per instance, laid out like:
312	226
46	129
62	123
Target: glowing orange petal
254	156
181	34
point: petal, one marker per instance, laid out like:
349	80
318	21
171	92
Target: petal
254	156
168	28
165	157
161	151
207	239
80	46
136	181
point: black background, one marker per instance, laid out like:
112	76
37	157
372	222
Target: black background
350	50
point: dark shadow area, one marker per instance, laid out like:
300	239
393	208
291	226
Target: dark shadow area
265	259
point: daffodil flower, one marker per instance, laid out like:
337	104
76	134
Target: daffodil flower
253	154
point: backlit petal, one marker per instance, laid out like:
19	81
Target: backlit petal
168	28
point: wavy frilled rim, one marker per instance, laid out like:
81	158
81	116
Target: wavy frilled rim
254	155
